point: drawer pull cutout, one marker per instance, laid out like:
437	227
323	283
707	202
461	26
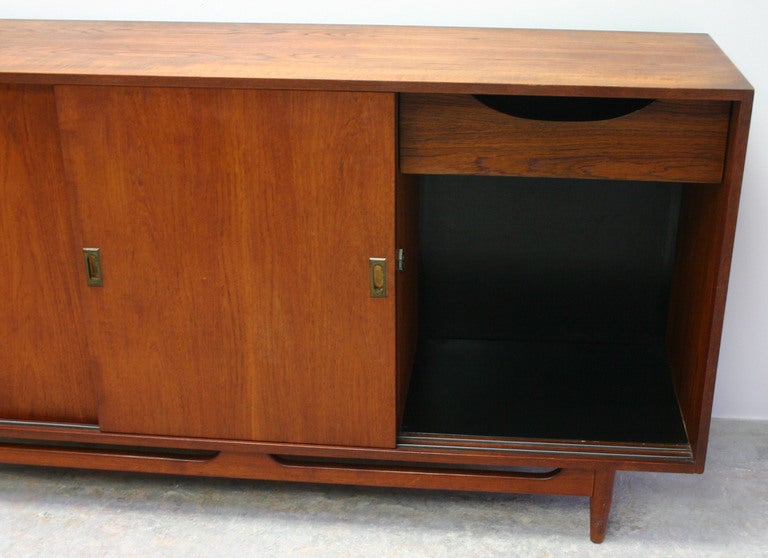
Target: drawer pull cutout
563	109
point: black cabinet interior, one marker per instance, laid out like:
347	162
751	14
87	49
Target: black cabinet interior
542	310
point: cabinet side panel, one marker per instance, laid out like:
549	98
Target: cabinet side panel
235	228
43	372
700	284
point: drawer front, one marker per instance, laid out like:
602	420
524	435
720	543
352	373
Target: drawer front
681	141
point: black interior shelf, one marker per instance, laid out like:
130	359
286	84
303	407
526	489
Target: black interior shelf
542	310
561	391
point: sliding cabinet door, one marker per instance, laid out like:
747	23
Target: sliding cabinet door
44	375
234	230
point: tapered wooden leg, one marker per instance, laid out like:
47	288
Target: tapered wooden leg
600	504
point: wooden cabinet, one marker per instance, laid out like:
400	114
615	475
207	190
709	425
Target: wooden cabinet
324	258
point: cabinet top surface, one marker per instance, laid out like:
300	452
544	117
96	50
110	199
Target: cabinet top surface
372	58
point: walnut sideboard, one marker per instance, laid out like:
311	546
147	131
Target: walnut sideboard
470	259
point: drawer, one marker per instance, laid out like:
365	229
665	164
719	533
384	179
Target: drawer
665	140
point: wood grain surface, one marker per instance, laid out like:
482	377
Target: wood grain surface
566	482
700	284
600	504
423	450
235	228
668	140
371	58
43	369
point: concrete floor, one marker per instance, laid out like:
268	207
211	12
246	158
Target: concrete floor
59	513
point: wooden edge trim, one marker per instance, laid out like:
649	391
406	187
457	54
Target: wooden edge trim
426	455
458	88
567	482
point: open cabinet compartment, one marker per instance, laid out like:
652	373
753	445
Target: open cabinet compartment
562	310
543	308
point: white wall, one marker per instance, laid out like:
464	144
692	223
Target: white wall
737	26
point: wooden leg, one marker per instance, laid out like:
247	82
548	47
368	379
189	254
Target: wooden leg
600	504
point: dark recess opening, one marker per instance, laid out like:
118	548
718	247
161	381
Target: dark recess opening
563	109
543	308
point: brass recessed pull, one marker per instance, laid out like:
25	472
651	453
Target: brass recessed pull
378	272
93	267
